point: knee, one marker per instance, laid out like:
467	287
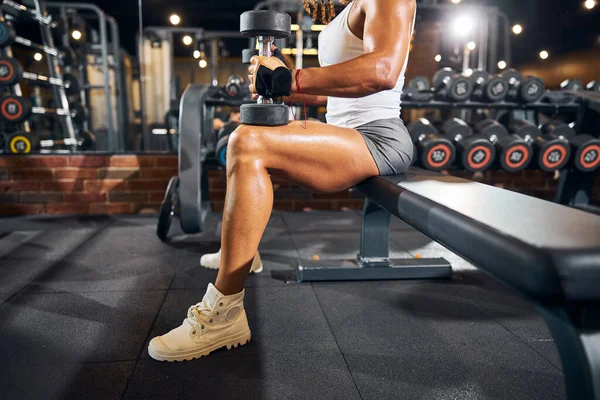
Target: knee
245	145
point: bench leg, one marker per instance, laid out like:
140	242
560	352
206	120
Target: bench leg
373	262
577	336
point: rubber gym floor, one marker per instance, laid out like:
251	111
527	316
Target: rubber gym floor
82	296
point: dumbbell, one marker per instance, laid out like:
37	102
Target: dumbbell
585	148
487	87
11	73
247	55
474	154
448	85
594	86
8	37
418	89
223	140
235	87
552	153
521	89
15	109
513	152
266	26
86	141
574	85
433	151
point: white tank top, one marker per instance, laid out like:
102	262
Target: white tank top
338	44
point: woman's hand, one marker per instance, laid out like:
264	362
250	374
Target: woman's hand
269	77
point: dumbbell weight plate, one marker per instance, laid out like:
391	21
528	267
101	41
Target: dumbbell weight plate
460	89
572	84
19	143
14	109
7	35
88	141
477	154
420	83
593	86
168	208
515	153
221	151
436	154
265	23
227	129
554	155
247	54
587	152
410	94
495	90
79	113
440	77
512	76
69	56
11	71
264	114
71	84
531	89
479	78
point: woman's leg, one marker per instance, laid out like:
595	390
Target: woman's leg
321	158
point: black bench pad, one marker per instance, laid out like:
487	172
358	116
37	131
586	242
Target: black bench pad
548	251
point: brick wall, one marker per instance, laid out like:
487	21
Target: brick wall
83	184
134	184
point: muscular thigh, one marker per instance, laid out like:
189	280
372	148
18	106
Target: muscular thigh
322	157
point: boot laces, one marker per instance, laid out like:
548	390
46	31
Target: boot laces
198	316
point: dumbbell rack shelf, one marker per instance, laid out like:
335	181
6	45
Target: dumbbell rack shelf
499	106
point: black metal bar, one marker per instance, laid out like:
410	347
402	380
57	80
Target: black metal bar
375	233
576	332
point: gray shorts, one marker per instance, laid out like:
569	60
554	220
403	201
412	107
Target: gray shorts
390	145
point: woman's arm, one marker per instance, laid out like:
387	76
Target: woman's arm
386	38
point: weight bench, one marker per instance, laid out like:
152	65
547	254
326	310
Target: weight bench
548	252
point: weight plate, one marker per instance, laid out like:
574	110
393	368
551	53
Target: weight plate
554	155
572	84
490	128
227	129
512	76
69	57
265	23
516	155
247	54
531	89
593	86
168	208
441	77
19	143
586	152
87	141
71	84
478	155
11	71
420	83
221	151
264	114
460	89
14	109
437	155
420	127
456	128
7	34
479	78
558	128
496	89
410	94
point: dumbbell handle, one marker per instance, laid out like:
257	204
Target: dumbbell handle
33	14
264	49
42	79
66	142
45	49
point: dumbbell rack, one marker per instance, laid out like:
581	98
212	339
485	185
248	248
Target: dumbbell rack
37	14
574	187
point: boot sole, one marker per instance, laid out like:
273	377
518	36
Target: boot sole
228	343
253	271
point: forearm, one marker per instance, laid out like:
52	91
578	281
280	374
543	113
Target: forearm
359	77
308	99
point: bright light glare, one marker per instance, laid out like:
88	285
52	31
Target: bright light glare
187	40
202	63
175	19
463	25
501	64
471	46
295	27
455	1
468	72
37	56
76	34
438	58
517	29
589	4
317	27
196	54
544	54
